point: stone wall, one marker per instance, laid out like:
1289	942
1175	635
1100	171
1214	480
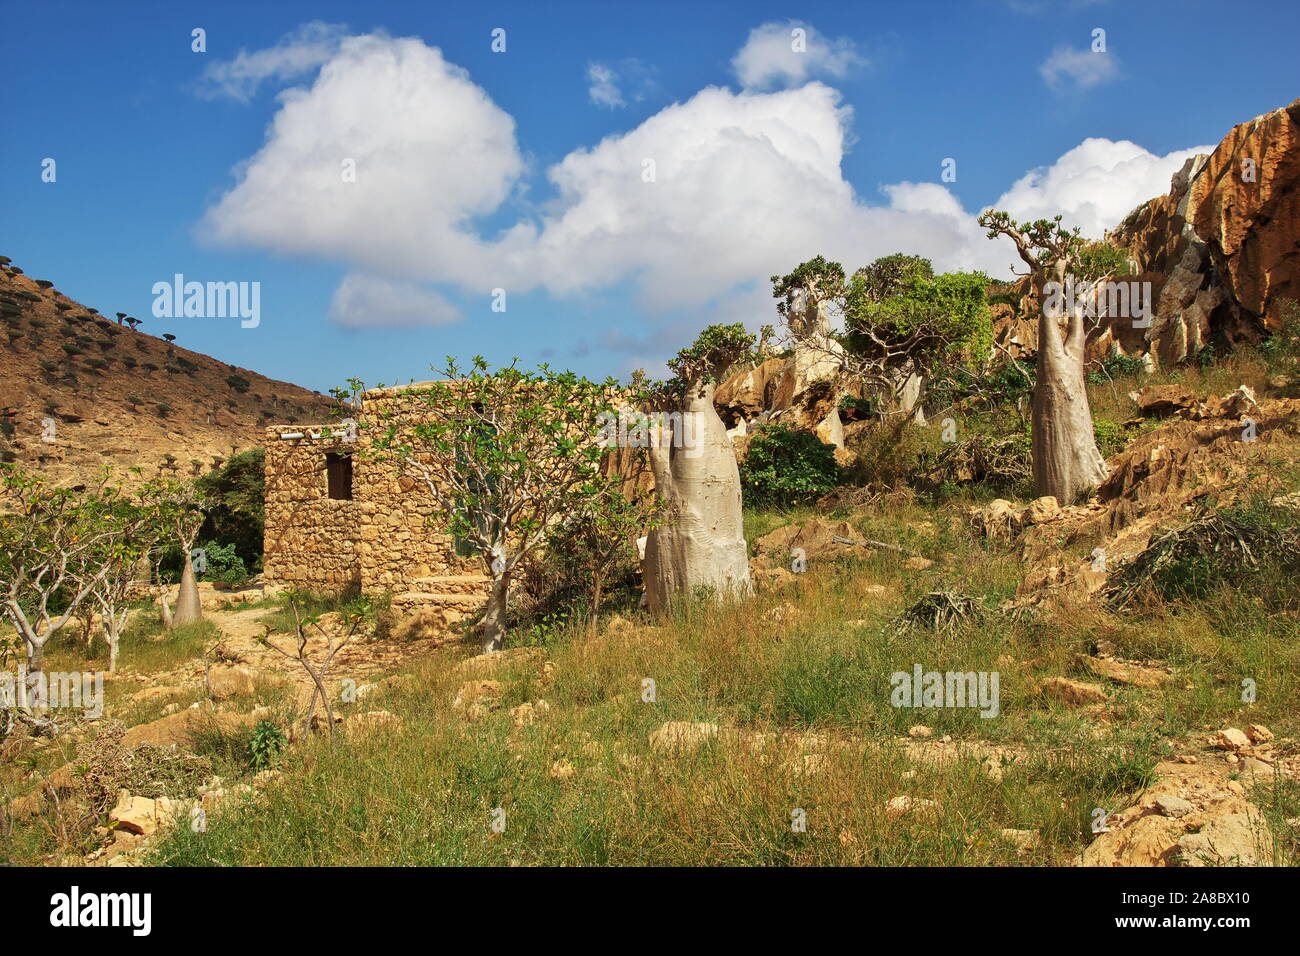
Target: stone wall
398	542
311	540
387	539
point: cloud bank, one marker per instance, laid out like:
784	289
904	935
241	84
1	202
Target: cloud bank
694	207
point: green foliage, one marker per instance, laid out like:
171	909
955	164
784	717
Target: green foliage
224	565
1282	348
1109	436
716	350
234	495
934	318
1044	241
503	453
265	745
785	466
890	275
852	408
238	383
1098	259
594	547
818	277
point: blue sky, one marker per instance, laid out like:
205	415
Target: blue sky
524	170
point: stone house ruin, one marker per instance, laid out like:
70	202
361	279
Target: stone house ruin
337	519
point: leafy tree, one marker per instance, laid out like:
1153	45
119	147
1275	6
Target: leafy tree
178	510
503	454
900	320
804	293
920	319
234	495
603	531
61	548
890	275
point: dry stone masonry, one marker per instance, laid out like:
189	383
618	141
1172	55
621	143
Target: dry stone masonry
338	517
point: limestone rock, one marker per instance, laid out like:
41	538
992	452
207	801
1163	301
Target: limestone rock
1133	674
1231	739
1072	693
905	804
680	736
527	714
140	814
1041	510
1259	734
476	698
227	682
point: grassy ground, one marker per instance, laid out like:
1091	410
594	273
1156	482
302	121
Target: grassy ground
797	680
584	786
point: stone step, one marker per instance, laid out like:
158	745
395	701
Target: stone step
433	597
466	579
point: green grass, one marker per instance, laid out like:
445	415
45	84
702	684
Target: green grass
803	703
426	796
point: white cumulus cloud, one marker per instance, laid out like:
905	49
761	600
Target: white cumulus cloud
1094	185
694	207
429	149
363	301
792	53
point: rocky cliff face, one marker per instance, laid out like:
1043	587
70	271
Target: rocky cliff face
1223	247
1221	251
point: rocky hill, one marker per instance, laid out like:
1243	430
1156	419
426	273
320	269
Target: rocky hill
79	390
1221	250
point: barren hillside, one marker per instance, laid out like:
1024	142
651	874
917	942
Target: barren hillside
119	397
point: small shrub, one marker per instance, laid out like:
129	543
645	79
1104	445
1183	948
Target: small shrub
1109	436
224	564
265	745
785	466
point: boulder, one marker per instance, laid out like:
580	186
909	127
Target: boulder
227	682
1231	739
140	814
997	519
1041	510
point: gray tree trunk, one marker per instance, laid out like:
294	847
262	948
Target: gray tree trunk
1067	462
701	545
188	609
493	628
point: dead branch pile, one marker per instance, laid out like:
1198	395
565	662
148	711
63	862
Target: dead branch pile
939	611
982	458
1221	540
